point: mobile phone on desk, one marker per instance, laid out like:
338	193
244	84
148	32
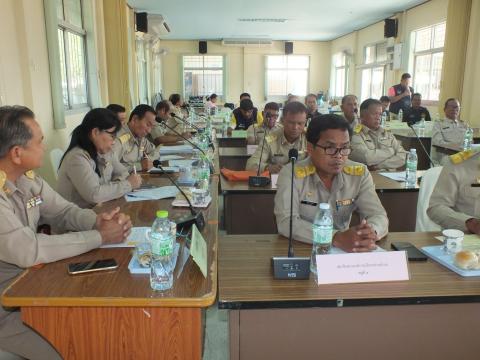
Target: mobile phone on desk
412	252
91	266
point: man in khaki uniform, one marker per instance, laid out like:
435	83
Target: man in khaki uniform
256	132
160	134
349	108
327	176
451	130
25	199
455	201
132	145
279	142
372	145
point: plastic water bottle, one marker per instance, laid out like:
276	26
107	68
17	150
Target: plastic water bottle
400	115
468	138
411	169
322	234
162	241
384	120
203	175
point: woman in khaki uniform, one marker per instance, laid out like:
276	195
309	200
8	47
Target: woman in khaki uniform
89	173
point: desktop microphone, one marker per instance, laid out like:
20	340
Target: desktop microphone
423	147
162	122
291	267
259	181
210	142
185	221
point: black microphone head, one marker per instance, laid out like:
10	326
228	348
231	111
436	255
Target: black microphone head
156	163
158	119
293	154
172	114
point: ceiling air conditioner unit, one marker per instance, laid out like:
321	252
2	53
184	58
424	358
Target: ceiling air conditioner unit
257	43
157	25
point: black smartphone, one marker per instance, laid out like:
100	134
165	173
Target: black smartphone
412	252
91	266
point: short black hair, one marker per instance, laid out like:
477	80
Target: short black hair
174	98
116	108
369	102
326	122
141	110
406	76
213	96
246	104
384	98
245	94
448	100
13	129
310	95
162	105
346	97
271	106
294	107
417	94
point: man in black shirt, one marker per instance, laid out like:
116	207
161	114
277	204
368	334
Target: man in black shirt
414	114
245	115
400	95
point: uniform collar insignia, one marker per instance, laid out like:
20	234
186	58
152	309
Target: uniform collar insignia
30	174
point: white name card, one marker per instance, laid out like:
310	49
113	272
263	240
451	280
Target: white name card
251	149
274	179
362	267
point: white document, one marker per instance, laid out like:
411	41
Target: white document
399	176
274	179
172	169
162	192
138	234
171	157
175	149
181	163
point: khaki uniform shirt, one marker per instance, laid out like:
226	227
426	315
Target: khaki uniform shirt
377	147
129	149
23	206
256	132
276	150
448	132
175	123
352	190
79	183
454	200
157	131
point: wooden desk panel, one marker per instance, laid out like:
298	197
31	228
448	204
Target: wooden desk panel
231	142
233	158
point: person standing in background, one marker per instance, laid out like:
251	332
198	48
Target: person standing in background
401	95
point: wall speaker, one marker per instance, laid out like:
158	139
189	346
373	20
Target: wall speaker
288	47
141	22
390	28
202	47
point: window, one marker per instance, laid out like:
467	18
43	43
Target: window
71	42
142	72
287	74
203	75
428	45
339	75
373	72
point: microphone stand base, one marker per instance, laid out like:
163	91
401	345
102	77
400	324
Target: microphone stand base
186	221
291	268
258	181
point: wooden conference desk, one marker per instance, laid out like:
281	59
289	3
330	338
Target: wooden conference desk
229	141
249	210
116	315
233	158
434	315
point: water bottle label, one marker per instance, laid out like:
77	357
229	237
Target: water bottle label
411	165
162	247
322	236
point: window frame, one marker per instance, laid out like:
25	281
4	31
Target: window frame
371	66
333	79
278	98
222	96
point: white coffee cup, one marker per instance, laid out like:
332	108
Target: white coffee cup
453	240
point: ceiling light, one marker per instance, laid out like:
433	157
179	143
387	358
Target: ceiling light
263	20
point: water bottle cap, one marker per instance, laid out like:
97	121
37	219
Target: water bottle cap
162	214
413	150
324	206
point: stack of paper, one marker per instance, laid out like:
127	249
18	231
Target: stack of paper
176	149
397	175
152	194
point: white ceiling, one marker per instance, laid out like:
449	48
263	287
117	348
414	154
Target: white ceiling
306	19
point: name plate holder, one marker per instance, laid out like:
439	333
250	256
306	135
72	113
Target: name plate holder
362	267
291	268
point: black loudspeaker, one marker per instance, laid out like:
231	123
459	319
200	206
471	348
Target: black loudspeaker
390	28
141	22
288	47
202	47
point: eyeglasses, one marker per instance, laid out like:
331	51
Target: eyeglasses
332	151
113	133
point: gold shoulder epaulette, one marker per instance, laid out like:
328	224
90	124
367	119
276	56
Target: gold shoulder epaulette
358	128
271	138
355	170
304	171
124	138
3	178
30	174
460	157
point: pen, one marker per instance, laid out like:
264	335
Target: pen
134	169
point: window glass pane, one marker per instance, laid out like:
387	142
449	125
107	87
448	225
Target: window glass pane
73	12
339	82
422	74
423	39
193	61
381	52
297	62
76	68
377	82
297	82
203	82
213	82
339	59
276	62
213	61
369	54
276	82
63	68
366	83
59	9
436	76
439	35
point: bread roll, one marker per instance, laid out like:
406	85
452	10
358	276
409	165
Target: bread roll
466	260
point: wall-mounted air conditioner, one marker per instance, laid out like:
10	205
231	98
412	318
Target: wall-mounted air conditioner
258	43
